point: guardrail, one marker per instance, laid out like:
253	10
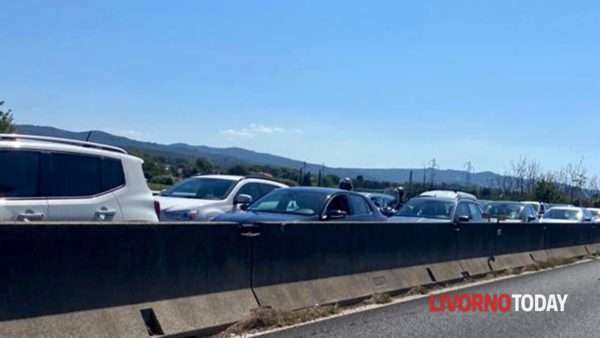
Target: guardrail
136	280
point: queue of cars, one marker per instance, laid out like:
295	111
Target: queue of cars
44	178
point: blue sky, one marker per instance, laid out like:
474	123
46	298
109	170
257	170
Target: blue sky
345	83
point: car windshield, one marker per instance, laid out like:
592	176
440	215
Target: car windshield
427	208
200	188
503	210
566	214
289	201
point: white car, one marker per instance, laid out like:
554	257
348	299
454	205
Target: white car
567	215
52	179
595	214
201	198
538	206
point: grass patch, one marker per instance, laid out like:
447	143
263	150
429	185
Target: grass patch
552	262
379	298
417	290
265	317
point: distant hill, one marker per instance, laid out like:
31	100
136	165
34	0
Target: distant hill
227	157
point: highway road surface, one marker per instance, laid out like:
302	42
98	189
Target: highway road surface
581	317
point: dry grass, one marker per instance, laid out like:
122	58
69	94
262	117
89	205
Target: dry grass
266	317
379	298
552	262
417	290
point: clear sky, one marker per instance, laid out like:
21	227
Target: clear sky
345	83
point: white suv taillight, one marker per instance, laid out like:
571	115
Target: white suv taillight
157	208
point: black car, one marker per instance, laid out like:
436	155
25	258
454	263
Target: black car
307	204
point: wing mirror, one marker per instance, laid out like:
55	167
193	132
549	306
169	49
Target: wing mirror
531	218
388	211
335	214
243	201
463	219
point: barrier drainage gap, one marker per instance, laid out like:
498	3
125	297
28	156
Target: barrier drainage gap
152	323
431	275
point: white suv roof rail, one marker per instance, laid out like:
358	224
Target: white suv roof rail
14	137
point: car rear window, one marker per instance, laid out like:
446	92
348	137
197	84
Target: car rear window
74	175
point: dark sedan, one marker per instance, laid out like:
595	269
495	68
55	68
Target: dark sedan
307	204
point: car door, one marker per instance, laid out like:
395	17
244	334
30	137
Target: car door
20	197
75	189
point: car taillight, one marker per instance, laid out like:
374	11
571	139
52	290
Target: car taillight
157	208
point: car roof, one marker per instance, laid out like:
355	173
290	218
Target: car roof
565	208
448	194
506	202
239	178
326	190
41	143
376	194
223	177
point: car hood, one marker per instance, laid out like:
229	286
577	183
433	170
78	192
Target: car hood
254	217
179	203
404	219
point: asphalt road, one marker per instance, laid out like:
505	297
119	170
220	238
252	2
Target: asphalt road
581	317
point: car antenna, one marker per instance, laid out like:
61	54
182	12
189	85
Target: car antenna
88	136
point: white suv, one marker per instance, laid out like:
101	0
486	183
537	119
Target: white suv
201	198
52	179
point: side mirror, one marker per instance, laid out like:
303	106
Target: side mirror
388	211
531	218
335	214
587	219
243	201
463	219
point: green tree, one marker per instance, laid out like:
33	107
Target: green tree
6	120
204	166
238	169
307	179
547	191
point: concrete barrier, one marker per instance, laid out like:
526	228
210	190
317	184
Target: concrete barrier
564	240
515	244
132	280
99	280
304	264
475	247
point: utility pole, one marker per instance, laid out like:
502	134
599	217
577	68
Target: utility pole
469	169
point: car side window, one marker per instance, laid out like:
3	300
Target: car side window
531	212
71	175
252	189
475	212
266	188
19	174
462	210
339	202
112	174
358	205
